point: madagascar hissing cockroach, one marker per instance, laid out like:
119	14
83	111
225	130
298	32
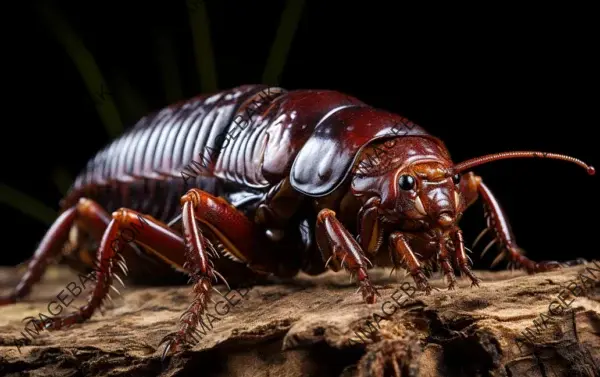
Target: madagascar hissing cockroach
278	182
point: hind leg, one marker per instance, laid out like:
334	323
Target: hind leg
126	227
192	253
86	214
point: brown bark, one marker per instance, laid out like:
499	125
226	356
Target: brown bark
310	327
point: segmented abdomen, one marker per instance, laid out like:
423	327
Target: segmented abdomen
142	169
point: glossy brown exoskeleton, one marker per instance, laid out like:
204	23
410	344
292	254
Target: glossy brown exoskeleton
267	178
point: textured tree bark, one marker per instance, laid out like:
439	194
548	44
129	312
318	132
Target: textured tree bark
514	325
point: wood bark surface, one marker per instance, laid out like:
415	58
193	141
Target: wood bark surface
318	326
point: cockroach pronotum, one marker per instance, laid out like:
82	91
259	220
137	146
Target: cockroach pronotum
278	182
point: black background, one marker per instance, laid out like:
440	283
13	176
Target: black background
483	80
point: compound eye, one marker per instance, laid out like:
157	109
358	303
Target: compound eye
456	179
406	182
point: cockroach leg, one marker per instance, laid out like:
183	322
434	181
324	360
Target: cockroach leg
342	251
515	256
444	259
501	227
370	232
473	187
400	248
87	215
126	226
462	259
239	238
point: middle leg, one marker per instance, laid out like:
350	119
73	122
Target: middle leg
239	238
463	261
403	256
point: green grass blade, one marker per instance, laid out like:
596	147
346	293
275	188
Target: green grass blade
283	41
202	45
62	179
168	65
86	65
130	103
27	204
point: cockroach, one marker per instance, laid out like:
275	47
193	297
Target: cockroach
278	182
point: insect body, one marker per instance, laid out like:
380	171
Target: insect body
278	182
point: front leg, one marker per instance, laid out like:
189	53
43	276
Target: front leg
462	259
444	260
370	234
498	223
400	248
338	245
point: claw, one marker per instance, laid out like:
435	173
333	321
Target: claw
167	347
369	292
420	278
172	341
422	283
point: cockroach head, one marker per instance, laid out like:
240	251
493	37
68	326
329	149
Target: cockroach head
414	179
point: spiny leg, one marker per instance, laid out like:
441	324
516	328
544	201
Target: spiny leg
399	247
240	239
498	222
156	238
338	245
472	187
86	214
127	226
444	260
462	259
